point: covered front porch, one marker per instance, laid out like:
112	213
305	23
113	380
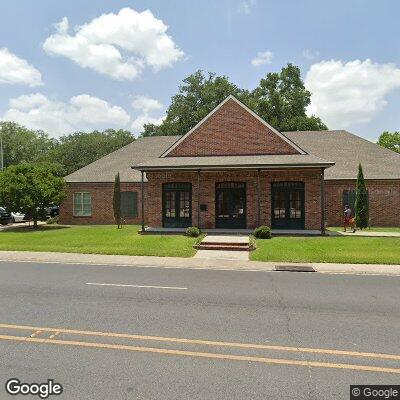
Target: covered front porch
234	201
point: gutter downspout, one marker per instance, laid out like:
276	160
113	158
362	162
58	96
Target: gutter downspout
258	198
322	202
142	195
198	198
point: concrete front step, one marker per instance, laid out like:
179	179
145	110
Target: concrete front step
221	246
224	243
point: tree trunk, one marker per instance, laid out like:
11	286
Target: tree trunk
35	225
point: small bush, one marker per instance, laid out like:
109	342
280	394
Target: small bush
52	221
193	231
252	242
263	232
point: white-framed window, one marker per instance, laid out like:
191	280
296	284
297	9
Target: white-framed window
82	204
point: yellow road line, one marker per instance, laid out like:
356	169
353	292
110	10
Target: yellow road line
54	335
265	360
211	342
36	333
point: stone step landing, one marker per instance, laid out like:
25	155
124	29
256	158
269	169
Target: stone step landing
226	243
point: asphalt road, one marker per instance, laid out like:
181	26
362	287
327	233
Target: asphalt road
51	316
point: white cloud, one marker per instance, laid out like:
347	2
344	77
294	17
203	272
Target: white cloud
62	26
82	112
247	5
350	93
146	104
263	57
310	55
15	70
118	45
138	122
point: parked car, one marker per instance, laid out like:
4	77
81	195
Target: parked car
17	217
54	211
5	217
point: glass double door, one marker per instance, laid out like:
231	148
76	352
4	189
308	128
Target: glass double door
177	205
230	205
287	205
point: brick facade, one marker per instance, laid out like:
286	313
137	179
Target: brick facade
384	201
102	208
232	130
384	198
311	179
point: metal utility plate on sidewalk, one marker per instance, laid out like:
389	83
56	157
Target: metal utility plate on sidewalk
294	268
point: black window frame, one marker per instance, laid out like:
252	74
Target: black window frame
288	187
177	188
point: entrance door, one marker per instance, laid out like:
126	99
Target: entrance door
177	205
287	205
230	205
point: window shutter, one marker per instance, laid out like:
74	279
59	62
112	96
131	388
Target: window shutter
349	198
129	206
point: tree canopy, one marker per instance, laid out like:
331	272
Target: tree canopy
24	145
281	99
78	149
30	187
70	152
390	140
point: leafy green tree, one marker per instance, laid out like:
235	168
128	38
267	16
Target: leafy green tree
30	188
197	96
24	145
76	150
281	99
361	205
390	140
117	201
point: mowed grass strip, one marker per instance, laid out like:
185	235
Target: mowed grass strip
357	250
99	239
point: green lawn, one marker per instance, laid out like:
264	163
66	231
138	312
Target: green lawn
103	239
372	229
357	250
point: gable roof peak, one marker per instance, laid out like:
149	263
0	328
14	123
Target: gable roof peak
247	109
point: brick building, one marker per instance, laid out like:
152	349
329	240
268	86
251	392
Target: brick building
234	171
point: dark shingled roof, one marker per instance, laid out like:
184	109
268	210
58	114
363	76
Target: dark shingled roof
105	169
341	147
347	151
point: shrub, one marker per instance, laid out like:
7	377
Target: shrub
52	221
263	232
193	231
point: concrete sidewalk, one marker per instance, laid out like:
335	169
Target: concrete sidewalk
364	233
192	263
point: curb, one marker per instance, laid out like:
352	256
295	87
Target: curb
195	263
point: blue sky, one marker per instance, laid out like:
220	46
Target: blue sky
122	70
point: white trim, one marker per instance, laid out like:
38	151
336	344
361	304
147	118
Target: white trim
231	97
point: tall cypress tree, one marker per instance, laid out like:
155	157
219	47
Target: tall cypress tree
361	204
117	201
